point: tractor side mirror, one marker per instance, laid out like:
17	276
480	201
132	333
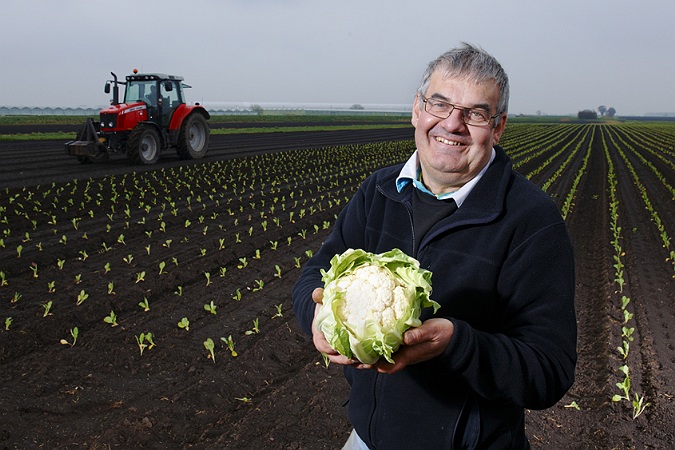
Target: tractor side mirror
106	89
168	86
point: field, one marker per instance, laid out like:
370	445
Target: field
152	309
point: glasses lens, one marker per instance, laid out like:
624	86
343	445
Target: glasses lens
475	117
437	108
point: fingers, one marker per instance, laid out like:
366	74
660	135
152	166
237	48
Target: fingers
317	295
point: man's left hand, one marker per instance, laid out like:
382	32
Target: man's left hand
419	344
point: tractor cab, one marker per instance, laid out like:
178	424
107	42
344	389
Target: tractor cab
161	93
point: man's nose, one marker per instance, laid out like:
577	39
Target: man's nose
454	121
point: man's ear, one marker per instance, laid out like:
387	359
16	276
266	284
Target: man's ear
415	111
499	129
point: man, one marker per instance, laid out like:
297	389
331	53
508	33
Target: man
504	338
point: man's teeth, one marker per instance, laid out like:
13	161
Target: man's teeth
447	142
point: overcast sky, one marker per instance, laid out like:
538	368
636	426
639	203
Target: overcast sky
561	56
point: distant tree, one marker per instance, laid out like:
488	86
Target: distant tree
602	109
257	109
611	112
587	114
356	106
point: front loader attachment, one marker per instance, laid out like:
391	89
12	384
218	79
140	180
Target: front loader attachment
87	144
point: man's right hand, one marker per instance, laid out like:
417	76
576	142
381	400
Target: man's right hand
322	344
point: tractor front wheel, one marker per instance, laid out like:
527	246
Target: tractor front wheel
193	140
143	145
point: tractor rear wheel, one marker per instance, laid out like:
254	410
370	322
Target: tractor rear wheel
143	145
193	140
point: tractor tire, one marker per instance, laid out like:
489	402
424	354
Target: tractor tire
143	146
193	139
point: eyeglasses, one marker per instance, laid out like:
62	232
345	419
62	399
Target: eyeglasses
470	116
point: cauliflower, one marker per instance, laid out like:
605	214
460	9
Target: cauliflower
370	300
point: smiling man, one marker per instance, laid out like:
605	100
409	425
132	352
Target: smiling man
504	338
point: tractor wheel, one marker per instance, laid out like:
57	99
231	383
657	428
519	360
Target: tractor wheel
193	140
143	145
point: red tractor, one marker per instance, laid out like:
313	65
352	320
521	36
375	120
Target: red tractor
152	118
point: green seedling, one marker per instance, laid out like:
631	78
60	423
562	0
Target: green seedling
259	285
244	399
111	319
230	345
111	288
127	259
624	386
162	265
50	287
184	324
639	406
19	249
8	322
145	304
47	307
279	313
255	329
34	268
179	291
573	405
60	263
81	297
140	276
144	341
78	278
208	277
74	332
237	295
211	307
106	268
3	279
210	346
277	271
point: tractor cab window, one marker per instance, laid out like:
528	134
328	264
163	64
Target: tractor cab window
170	99
143	91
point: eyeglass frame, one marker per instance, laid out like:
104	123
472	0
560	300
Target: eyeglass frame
461	108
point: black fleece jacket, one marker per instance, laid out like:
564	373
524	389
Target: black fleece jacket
503	272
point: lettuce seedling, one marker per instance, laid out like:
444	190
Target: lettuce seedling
209	345
184	324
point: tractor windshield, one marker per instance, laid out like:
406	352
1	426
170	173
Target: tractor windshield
143	91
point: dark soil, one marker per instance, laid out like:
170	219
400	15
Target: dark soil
102	392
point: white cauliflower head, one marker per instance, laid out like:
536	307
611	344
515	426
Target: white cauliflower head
370	300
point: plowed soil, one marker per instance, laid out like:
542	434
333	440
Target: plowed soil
102	391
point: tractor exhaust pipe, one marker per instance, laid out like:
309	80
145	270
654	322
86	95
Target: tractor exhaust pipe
115	90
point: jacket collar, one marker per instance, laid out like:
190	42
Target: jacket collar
484	203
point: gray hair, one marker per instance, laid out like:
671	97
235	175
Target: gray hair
473	63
